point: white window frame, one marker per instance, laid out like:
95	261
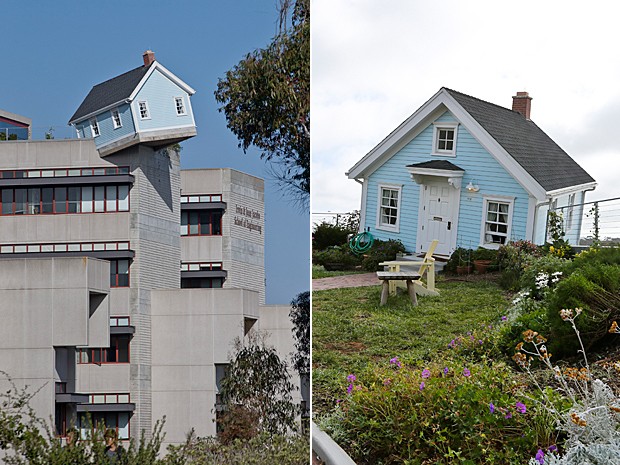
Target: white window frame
438	126
384	226
94	127
116	124
485	210
176	106
146	107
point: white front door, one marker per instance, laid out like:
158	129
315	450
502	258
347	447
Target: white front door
438	216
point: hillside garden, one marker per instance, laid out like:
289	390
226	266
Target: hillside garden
514	367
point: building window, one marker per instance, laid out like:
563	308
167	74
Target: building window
389	207
116	119
201	283
119	273
119	321
144	110
60	200
94	127
201	198
118	421
180	106
201	223
497	221
118	352
444	139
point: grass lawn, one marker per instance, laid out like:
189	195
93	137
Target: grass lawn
350	329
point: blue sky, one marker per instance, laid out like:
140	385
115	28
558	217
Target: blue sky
54	52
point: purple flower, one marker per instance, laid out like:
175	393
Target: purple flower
422	385
395	361
492	407
480	341
521	407
350	388
553	448
540	456
466	372
426	373
445	371
508	415
351	378
504	318
452	344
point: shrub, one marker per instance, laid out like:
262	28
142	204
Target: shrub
340	257
460	257
482	253
511	258
443	412
327	235
261	450
382	251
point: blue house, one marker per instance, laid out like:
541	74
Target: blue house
147	105
468	173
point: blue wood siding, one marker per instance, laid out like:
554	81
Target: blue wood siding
159	92
106	126
480	168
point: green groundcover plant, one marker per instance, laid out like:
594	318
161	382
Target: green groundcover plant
446	411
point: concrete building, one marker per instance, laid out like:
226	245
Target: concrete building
125	280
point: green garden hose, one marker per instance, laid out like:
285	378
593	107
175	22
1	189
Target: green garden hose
361	243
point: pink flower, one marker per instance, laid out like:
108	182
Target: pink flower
426	373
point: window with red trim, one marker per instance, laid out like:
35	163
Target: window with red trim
119	273
201	223
118	352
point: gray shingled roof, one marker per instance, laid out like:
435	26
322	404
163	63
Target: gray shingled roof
111	91
437	165
534	150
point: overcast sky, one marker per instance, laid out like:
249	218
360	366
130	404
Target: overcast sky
374	63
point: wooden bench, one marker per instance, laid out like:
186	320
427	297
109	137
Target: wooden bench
408	276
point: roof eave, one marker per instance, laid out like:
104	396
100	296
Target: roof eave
95	113
169	74
589	186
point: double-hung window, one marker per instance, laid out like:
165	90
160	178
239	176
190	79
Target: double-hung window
497	219
143	108
94	127
444	139
389	202
116	119
180	106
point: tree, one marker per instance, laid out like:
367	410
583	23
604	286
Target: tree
300	316
257	385
266	100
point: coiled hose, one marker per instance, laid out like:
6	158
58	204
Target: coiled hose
361	243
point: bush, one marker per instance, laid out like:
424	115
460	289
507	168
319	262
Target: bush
382	251
482	253
337	257
327	235
511	258
460	257
261	450
445	412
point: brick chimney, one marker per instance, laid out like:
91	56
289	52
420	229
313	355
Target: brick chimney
522	103
148	57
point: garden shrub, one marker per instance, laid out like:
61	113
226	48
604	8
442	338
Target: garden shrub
337	257
593	288
327	235
441	413
381	251
460	257
511	258
540	273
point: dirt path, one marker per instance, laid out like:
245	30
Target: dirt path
350	280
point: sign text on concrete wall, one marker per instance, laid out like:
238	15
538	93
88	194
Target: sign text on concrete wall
247	218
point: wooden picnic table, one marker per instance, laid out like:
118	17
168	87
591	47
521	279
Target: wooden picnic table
408	276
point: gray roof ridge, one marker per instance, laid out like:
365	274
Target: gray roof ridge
482	101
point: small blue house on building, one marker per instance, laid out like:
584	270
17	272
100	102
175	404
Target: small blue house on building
147	105
468	173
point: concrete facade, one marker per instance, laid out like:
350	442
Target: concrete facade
128	341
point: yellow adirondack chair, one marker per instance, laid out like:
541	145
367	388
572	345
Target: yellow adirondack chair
426	266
